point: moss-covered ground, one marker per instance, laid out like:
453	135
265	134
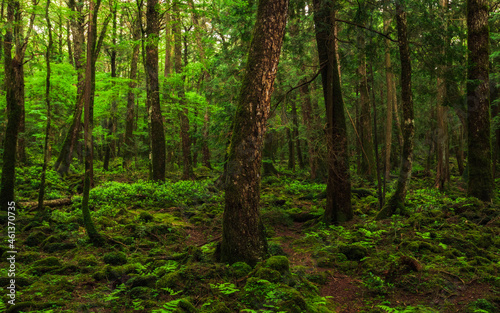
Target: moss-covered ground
161	238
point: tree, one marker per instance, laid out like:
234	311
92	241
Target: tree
157	133
47	101
395	205
338	190
480	183
243	237
14	85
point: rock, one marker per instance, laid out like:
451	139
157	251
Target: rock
115	258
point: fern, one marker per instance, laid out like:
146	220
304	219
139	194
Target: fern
114	294
168	307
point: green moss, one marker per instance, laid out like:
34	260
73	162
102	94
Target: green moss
115	258
142	281
35	238
268	274
220	307
241	269
353	252
278	263
86	260
146	217
275	249
58	246
28	257
185	306
140	292
49	261
172	280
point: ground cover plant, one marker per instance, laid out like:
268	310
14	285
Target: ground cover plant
161	241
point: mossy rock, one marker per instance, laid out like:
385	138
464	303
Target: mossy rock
140	292
35	238
268	274
172	280
325	262
279	263
58	246
142	281
421	246
482	305
241	269
220	307
146	217
353	252
20	281
49	261
86	260
184	306
293	301
161	229
41	270
28	257
275	249
318	277
30	306
115	258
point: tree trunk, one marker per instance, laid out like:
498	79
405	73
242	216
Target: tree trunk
110	149
94	236
338	191
41	192
14	86
390	99
291	150
129	123
480	183
157	133
243	237
65	158
295	134
367	169
395	205
307	117
187	167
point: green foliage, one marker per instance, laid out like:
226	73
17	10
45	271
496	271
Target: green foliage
303	188
225	288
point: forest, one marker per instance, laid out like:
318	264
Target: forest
250	156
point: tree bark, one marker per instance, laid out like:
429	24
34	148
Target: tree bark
129	123
153	92
307	117
65	157
365	127
338	201
390	99
480	183
41	192
395	205
94	236
187	167
243	237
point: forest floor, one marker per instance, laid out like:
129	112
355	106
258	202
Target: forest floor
161	239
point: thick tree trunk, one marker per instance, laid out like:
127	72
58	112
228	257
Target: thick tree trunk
291	150
243	237
14	87
157	133
338	191
480	183
395	205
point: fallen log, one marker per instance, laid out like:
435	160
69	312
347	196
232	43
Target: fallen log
50	203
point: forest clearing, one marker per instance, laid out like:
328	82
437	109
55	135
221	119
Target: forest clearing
250	156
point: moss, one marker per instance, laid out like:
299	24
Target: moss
482	305
479	260
86	260
172	280
58	246
278	263
142	281
325	262
115	258
353	252
20	281
146	217
28	257
140	292
49	261
318	277
275	249
184	306
221	308
241	269
35	238
268	274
